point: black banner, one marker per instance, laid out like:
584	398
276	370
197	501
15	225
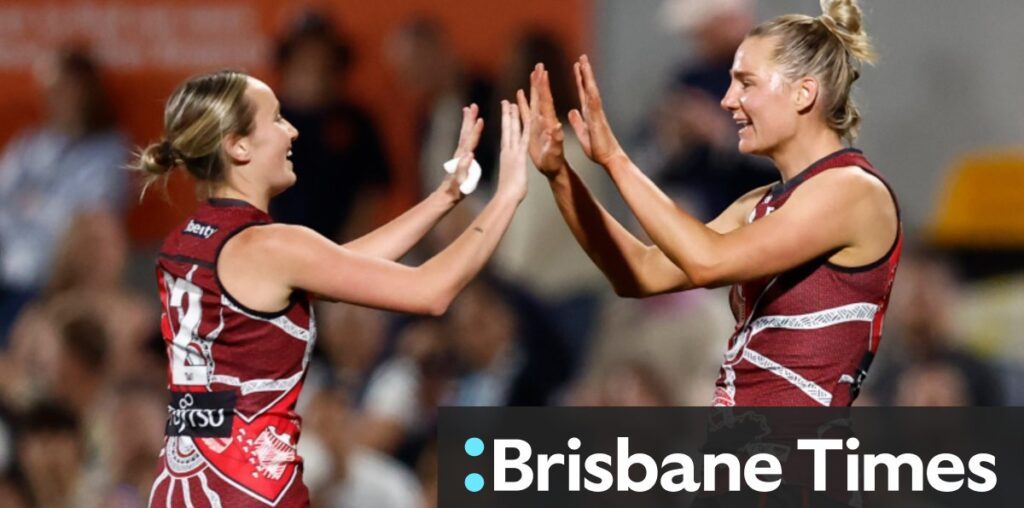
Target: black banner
736	457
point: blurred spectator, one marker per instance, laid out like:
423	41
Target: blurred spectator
538	251
341	473
8	462
509	353
50	173
677	336
138	419
629	383
427	471
924	365
88	272
351	340
28	368
343	172
58	364
14	491
82	385
399	409
428	69
51	451
693	149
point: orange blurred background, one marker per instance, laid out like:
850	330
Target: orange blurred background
148	46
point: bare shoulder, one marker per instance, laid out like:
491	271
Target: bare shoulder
850	186
270	242
273	237
859	206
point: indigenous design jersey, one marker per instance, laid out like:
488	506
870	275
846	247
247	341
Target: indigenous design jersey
806	337
235	375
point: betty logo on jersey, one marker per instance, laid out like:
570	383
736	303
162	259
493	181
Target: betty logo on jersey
204	231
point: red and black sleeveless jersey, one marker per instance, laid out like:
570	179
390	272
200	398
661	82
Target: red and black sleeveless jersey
806	337
234	376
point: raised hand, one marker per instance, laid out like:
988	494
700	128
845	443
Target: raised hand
469	137
591	126
512	160
545	131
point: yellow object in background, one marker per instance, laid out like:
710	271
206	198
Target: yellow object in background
981	202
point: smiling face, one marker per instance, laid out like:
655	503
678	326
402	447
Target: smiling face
269	145
764	103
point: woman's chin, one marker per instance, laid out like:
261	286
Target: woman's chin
285	183
748	147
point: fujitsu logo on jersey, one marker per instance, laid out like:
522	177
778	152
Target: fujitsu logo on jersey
201	414
199	229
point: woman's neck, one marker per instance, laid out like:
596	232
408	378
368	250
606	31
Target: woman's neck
805	149
255	199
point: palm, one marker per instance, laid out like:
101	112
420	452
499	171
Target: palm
591	125
469	137
546	136
546	146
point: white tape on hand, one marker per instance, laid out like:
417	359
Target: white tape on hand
473	178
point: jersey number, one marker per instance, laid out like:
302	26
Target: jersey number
188	363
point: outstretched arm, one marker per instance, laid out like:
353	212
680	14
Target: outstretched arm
266	263
394	239
823	216
633	268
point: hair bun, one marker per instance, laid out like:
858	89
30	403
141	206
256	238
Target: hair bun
157	159
846	14
845	19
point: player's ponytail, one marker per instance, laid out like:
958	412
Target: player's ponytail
845	20
831	47
197	116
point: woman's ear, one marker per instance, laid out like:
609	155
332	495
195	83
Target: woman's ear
807	90
237	148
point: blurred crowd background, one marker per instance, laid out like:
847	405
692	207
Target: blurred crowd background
375	89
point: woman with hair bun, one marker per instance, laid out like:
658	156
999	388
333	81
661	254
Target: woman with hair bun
236	289
811	258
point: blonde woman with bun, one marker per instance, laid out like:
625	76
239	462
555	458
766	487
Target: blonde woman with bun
236	289
810	258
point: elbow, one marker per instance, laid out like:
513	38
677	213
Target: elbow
439	302
431	308
627	290
700	278
432	292
437	308
706	277
705	274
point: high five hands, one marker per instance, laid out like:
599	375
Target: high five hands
590	123
469	137
533	126
515	129
546	136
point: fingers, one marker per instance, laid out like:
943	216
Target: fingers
547	102
524	107
578	124
505	125
462	168
469	114
472	128
515	127
588	75
589	83
524	115
580	89
535	87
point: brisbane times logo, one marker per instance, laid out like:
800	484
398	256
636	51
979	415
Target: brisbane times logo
640	457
